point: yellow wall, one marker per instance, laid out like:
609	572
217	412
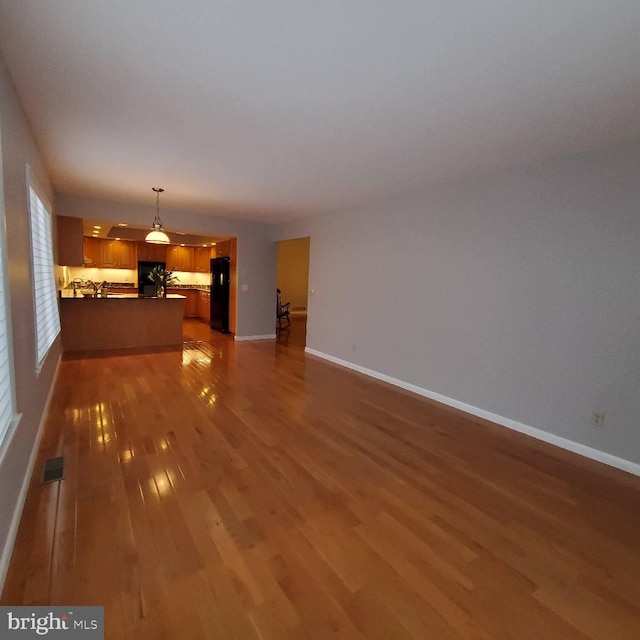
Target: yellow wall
293	272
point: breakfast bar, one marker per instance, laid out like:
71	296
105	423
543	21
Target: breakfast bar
121	321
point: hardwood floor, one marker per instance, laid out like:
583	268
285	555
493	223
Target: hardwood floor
295	334
247	490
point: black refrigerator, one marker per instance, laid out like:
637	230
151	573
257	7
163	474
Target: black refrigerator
220	294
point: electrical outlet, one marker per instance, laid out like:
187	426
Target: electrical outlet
597	419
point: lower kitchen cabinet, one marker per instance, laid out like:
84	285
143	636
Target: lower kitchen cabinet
204	306
190	308
191	303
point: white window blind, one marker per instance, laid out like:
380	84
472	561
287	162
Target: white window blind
6	388
44	284
7	396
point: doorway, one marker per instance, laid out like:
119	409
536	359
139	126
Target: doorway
293	281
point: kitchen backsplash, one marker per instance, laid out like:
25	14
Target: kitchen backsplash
133	287
126	277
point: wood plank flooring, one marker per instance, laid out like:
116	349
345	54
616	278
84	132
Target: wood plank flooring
251	491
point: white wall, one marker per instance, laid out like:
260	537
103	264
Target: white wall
257	252
517	295
32	391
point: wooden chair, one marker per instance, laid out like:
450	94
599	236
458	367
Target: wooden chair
282	310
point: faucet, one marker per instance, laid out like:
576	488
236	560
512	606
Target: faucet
81	283
75	284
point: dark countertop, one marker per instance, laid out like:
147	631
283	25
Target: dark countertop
67	294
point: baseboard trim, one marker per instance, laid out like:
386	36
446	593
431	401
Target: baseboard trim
270	336
7	551
539	434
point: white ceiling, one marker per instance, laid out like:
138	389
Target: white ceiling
271	109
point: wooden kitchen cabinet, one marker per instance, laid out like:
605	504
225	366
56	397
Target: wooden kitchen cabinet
118	254
201	259
179	258
91	252
70	241
190	307
148	252
110	254
191	303
127	255
223	249
204	306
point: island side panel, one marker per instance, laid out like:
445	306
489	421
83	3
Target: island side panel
95	324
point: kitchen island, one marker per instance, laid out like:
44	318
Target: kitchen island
120	321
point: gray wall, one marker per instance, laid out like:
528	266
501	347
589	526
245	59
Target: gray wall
19	149
517	295
257	252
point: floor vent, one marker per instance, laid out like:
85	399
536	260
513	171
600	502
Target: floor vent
53	470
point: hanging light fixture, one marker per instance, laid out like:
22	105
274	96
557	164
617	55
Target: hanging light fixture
157	235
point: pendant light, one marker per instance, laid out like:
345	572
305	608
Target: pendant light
157	235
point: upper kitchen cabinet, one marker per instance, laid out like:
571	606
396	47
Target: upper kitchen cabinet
69	241
148	252
91	252
110	254
118	254
223	249
201	259
180	258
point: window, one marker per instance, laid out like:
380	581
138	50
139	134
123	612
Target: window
44	284
7	401
6	387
